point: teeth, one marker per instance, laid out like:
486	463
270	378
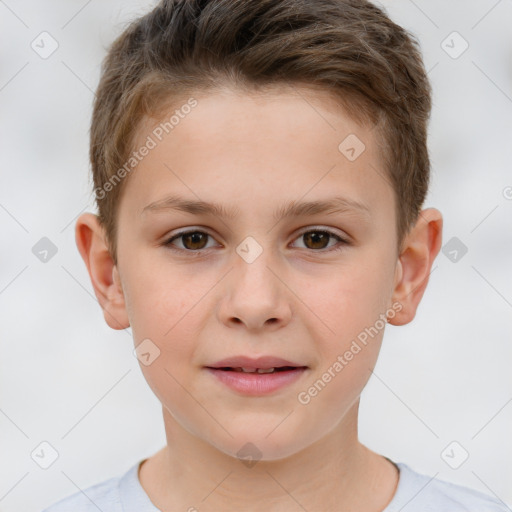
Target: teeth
254	370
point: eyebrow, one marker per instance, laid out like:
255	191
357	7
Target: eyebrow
335	204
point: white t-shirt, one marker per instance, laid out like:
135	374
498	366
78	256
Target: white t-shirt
415	493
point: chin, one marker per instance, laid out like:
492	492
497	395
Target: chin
251	446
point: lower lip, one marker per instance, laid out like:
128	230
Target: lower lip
257	384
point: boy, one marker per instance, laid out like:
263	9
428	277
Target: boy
260	168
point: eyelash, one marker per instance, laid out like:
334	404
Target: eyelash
340	246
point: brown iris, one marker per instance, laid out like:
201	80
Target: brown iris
316	238
194	240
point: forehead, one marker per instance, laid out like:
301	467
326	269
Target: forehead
288	141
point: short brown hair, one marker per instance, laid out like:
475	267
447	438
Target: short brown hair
347	47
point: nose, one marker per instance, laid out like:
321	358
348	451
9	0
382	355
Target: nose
254	296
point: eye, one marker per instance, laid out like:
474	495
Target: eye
195	240
318	239
192	241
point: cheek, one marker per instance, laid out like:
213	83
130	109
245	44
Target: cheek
161	310
157	298
352	307
348	300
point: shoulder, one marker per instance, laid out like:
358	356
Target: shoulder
421	493
103	496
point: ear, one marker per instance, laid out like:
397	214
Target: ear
420	248
91	242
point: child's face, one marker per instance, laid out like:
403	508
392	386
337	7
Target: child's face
299	299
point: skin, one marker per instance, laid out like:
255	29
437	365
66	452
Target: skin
297	300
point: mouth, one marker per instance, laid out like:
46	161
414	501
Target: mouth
259	364
256	380
258	370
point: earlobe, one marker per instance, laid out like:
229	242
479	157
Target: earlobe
91	242
420	249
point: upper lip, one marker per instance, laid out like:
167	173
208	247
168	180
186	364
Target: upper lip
262	362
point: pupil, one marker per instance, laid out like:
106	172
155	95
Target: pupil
195	238
315	237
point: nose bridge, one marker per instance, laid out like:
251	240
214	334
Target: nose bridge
253	261
255	295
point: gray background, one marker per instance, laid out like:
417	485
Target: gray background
68	379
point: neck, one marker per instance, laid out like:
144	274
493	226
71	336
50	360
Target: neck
336	472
